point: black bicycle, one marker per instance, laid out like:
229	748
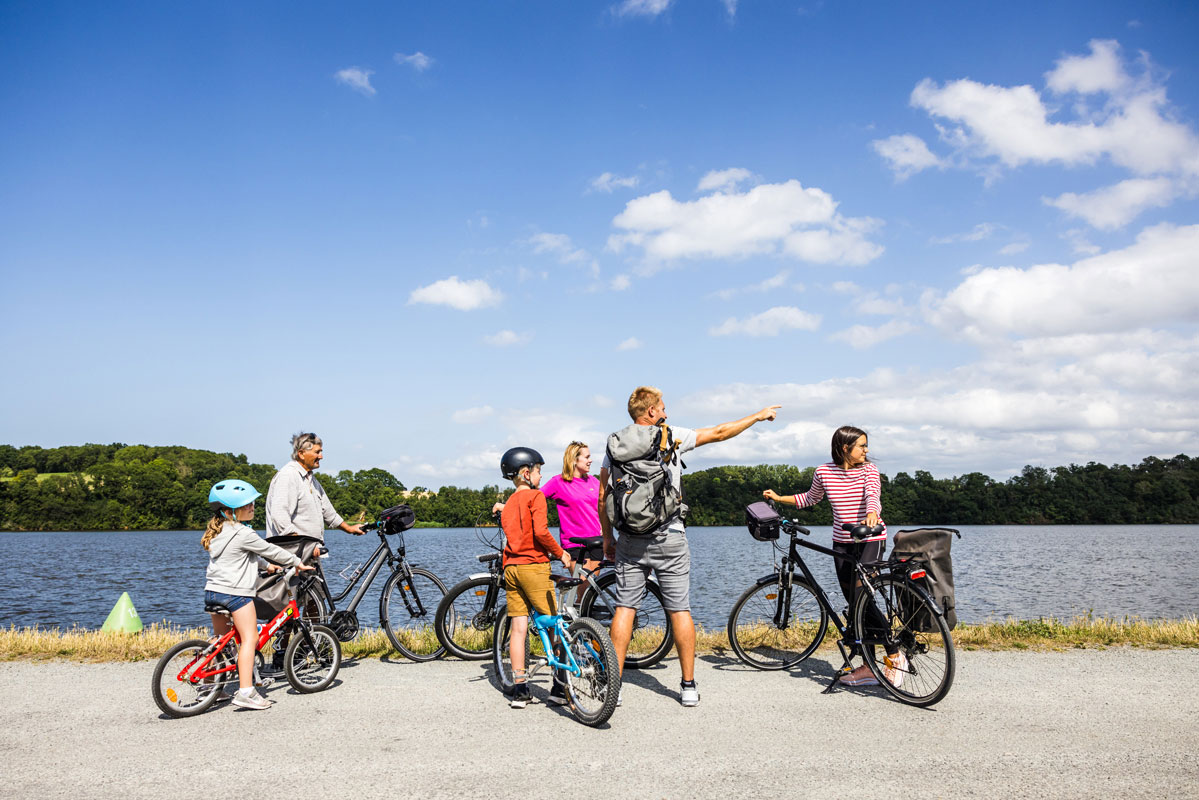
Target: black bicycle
408	601
782	619
466	617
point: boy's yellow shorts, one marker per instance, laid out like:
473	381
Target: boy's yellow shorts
529	585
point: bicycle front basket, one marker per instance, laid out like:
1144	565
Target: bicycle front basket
762	521
398	518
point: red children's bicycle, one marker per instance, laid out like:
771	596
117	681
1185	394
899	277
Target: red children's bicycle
192	675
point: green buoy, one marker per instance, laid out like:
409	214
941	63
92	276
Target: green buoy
123	617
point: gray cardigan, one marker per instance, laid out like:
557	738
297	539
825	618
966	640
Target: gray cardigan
232	561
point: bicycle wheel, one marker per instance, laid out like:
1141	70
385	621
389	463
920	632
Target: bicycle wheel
652	636
175	692
314	604
920	634
755	635
311	668
464	624
594	692
501	660
407	608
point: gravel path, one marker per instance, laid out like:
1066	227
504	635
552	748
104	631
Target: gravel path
1116	723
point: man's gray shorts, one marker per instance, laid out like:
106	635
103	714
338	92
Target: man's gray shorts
668	555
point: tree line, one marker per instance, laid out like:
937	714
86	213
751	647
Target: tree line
139	487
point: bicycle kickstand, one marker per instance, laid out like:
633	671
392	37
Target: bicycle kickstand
846	668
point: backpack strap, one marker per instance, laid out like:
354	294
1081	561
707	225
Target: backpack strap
666	445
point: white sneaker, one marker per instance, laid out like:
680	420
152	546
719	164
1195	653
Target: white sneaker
251	699
689	695
894	667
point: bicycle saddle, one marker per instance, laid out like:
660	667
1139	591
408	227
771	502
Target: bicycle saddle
565	581
216	608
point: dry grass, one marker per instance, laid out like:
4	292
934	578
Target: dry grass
79	644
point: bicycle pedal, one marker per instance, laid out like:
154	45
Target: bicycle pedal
264	683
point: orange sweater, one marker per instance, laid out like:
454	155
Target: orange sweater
529	537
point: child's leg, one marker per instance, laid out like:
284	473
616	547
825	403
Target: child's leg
518	632
245	620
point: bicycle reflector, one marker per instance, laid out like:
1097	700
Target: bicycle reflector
918	574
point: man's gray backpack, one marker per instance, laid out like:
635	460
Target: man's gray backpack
641	497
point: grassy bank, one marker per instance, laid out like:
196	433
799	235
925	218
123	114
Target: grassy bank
79	644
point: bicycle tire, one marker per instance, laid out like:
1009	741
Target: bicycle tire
759	642
312	669
464	624
930	656
500	661
313	603
652	634
593	694
407	608
184	698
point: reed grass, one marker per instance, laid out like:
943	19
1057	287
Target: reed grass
1044	634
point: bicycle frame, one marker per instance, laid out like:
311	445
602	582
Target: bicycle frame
290	613
370	569
543	624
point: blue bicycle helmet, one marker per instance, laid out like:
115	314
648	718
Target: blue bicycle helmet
232	493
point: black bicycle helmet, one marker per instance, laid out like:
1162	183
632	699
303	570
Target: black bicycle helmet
516	459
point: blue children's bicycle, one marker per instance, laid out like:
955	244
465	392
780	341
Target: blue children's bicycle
584	656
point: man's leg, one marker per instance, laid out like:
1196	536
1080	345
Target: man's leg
621	632
683	627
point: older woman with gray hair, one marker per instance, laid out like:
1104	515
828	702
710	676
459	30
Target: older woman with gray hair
296	503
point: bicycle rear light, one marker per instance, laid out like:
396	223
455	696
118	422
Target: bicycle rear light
918	574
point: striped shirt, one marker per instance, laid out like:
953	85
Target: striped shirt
853	493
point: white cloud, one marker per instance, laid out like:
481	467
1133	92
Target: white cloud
506	338
783	218
776	281
558	245
1124	119
905	154
609	182
769	323
357	79
731	7
1013	248
642	8
620	283
418	61
981	231
459	294
1115	206
861	337
723	180
469	416
1153	282
631	343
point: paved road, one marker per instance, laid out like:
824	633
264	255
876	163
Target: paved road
1115	723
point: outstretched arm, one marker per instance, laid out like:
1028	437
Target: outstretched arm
727	430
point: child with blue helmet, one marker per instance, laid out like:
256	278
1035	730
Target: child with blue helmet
233	552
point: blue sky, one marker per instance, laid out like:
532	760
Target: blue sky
430	232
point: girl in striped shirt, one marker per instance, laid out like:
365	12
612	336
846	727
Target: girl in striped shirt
854	491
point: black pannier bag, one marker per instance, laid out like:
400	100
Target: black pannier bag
762	521
931	546
271	590
398	518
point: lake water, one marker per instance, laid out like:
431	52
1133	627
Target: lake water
74	578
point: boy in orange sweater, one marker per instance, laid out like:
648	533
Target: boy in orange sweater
527	554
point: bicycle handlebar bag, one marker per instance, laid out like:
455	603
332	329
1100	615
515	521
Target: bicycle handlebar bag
762	521
270	595
398	518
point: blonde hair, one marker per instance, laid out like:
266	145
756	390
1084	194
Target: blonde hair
569	458
641	399
214	528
